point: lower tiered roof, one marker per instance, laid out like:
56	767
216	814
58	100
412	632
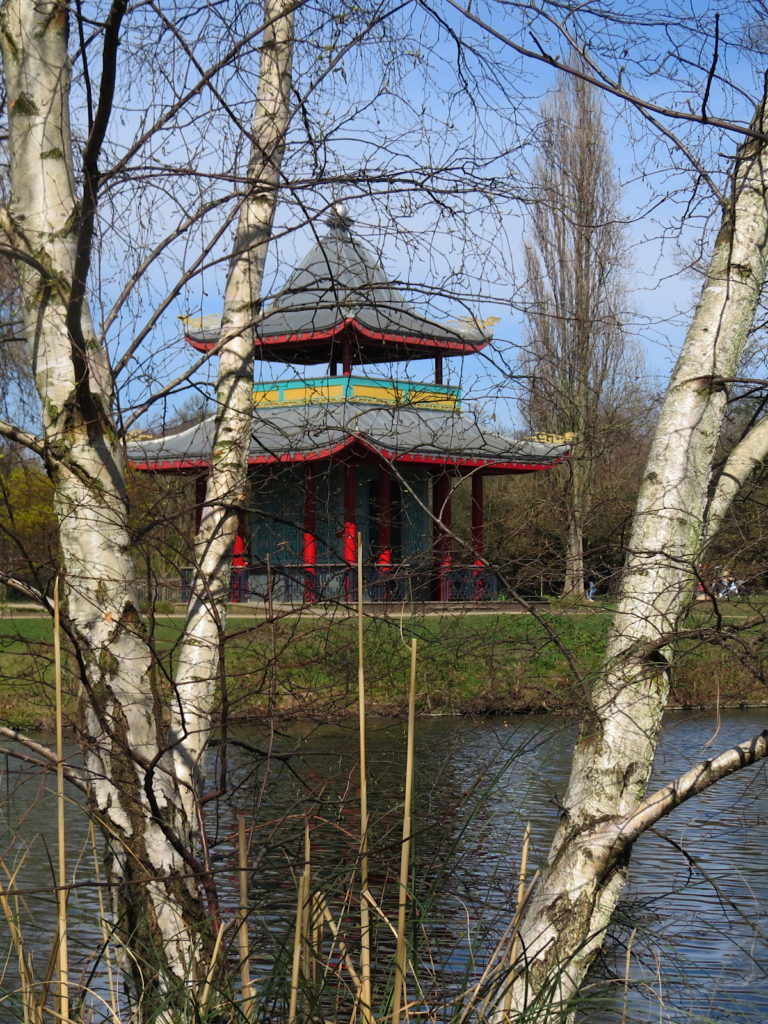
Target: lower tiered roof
397	433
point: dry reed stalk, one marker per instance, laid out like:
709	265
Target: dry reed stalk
45	983
299	934
334	929
208	986
627	964
344	910
400	993
29	1005
365	919
297	940
307	927
515	947
520	890
314	939
61	895
657	958
246	987
113	1004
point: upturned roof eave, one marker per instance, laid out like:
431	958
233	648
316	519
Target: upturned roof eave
340	286
190	450
274	346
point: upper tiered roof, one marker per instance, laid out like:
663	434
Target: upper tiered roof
339	296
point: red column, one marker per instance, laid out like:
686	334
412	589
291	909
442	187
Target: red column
349	536
310	535
239	589
478	546
441	510
384	503
239	557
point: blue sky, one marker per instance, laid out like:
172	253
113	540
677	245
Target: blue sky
435	169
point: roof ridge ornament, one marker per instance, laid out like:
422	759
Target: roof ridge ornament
338	218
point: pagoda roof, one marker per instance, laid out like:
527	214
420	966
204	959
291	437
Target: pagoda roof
398	434
339	293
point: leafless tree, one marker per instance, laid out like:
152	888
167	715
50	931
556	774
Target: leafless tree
143	749
578	358
140	774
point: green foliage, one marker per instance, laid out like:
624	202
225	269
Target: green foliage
162	522
27	522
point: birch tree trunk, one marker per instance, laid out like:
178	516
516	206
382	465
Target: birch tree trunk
139	782
586	870
749	454
130	792
227	485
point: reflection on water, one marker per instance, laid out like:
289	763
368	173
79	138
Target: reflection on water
695	908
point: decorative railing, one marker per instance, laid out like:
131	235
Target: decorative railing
356	389
299	584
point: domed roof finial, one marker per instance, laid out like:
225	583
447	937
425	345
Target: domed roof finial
338	218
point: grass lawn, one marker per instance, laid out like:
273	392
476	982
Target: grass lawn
306	665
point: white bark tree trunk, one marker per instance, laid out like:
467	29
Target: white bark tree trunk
128	790
227	486
750	453
572	904
140	792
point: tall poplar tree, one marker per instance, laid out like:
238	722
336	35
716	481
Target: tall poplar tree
576	354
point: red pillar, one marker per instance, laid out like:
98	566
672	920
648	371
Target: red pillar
478	546
384	503
239	588
239	557
441	510
310	535
349	536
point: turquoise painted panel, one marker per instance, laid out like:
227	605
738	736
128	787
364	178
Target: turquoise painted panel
354	388
417	526
276	517
276	520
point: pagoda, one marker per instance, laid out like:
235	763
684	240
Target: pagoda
344	453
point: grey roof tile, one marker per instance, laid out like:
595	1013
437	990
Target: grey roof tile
297	433
338	281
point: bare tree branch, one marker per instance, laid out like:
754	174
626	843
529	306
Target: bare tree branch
746	457
540	55
46	757
694	782
19	436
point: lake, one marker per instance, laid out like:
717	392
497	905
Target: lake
695	908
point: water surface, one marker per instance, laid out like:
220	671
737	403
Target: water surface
695	908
